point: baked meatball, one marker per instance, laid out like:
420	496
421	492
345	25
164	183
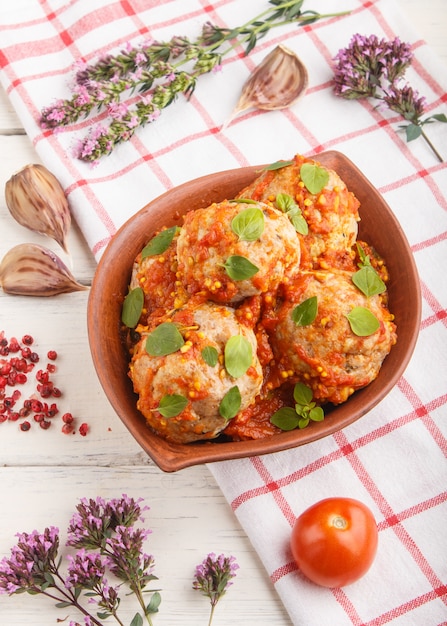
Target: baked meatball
156	274
187	372
208	239
326	354
331	215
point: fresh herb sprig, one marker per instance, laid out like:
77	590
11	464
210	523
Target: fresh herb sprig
213	577
304	411
157	72
370	67
106	539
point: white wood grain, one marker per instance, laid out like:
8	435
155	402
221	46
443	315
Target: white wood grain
44	473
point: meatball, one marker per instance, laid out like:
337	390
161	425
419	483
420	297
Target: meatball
326	354
331	215
188	372
156	275
209	239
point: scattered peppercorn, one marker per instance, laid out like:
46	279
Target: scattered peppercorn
83	429
17	360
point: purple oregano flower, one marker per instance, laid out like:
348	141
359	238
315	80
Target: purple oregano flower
370	67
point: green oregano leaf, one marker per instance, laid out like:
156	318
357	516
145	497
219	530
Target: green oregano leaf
305	312
231	403
277	165
412	132
439	117
248	225
287	205
285	202
137	620
305	410
368	281
210	355
299	223
244	201
316	414
314	177
165	339
363	323
132	307
172	405
160	243
238	355
285	418
302	394
154	603
240	268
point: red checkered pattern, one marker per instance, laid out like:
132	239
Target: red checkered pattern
394	458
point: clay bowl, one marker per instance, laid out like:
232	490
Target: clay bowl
378	226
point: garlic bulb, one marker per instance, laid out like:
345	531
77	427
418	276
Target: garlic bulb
35	198
32	270
276	83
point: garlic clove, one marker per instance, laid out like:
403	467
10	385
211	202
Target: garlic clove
35	198
32	270
276	83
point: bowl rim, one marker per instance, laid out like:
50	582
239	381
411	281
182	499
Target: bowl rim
172	457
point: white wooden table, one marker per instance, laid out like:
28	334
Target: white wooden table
43	473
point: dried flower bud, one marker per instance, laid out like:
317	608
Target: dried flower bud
37	201
276	83
32	270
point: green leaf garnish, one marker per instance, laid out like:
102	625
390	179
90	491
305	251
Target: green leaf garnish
244	201
238	355
285	418
132	307
248	225
210	355
314	177
305	312
285	202
165	339
368	281
288	418
160	243
363	323
287	205
172	405
302	394
231	403
240	268
277	165
366	278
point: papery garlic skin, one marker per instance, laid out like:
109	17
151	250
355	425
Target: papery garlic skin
32	270
35	198
275	84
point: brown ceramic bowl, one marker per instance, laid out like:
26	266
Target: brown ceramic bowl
378	226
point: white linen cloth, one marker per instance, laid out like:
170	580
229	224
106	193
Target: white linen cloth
394	458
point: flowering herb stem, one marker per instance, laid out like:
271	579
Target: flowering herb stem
154	70
213	577
105	539
370	67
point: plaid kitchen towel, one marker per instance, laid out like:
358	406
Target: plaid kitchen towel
393	459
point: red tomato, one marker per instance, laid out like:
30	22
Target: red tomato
334	541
